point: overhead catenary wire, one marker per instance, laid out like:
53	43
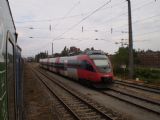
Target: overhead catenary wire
84	18
50	20
117	17
147	33
66	17
141	20
97	28
74	6
137	21
143	34
122	14
134	22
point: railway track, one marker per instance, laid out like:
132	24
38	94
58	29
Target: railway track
140	102
141	87
77	106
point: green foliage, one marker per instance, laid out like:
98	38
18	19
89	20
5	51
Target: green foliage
2	66
149	75
65	51
120	72
40	55
121	57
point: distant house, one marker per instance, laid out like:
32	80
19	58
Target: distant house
74	49
149	58
30	59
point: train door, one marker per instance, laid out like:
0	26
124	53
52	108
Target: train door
72	70
11	80
57	64
88	70
19	97
65	68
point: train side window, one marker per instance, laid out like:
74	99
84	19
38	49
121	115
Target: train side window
90	67
73	63
85	65
11	80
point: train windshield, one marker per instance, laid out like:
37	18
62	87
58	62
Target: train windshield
103	65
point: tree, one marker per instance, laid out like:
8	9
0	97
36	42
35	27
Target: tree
40	55
64	51
122	57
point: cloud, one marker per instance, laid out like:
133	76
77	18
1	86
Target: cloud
40	14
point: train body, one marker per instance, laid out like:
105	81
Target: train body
93	67
11	96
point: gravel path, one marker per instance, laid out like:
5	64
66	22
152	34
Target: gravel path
37	101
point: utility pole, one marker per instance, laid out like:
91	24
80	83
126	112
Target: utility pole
52	49
131	66
50	28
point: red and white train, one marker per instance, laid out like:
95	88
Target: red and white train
93	67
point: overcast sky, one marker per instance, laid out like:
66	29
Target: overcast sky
104	23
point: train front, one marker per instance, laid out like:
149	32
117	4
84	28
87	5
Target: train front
102	64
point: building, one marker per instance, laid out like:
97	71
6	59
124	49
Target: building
149	58
74	49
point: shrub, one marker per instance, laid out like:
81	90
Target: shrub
146	74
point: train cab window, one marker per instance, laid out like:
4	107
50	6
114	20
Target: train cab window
11	80
103	65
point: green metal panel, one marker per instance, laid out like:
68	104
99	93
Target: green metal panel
3	93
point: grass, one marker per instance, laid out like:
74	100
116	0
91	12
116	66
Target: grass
147	75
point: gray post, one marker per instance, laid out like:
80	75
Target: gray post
52	49
131	66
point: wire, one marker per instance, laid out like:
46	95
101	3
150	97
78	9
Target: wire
74	6
148	3
67	17
146	33
50	20
122	14
84	18
138	21
134	22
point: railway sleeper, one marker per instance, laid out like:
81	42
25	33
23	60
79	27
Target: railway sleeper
77	105
74	103
89	113
84	110
86	114
66	115
82	107
92	117
59	106
92	114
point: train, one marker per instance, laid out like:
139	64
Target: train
92	67
11	65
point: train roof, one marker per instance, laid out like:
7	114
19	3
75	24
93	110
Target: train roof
94	52
11	14
90	53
